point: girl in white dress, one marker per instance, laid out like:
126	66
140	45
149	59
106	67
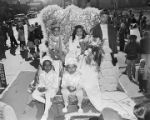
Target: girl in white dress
77	43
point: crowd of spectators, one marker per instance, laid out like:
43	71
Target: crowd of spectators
28	48
133	39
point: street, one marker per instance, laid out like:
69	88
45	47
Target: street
20	71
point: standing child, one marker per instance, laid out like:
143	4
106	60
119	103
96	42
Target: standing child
132	50
70	83
48	86
141	76
21	37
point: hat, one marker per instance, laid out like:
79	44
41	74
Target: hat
134	25
142	60
70	60
44	59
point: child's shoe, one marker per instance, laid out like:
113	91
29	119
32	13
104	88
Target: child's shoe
80	110
140	91
65	110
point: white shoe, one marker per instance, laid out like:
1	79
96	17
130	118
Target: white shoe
44	117
80	110
65	110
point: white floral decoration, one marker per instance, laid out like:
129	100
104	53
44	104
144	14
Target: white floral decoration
68	18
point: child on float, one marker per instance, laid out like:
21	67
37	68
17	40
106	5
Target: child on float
47	86
71	82
77	42
56	46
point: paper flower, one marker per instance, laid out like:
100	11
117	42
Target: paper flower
68	18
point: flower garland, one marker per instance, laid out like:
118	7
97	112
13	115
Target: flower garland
68	18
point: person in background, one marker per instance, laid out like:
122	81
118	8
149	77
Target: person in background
5	30
21	36
130	13
133	19
145	51
140	17
143	24
121	35
134	30
2	44
132	49
141	77
11	35
139	20
30	43
38	35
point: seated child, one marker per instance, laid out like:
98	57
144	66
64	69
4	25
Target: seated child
71	83
34	83
141	76
47	86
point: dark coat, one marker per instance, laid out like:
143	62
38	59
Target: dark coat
132	50
145	46
38	33
112	35
97	32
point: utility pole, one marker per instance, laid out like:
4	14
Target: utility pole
115	4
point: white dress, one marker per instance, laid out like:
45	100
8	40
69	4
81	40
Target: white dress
102	87
74	46
49	82
135	31
72	80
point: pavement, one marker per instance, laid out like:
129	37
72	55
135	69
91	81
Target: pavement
27	109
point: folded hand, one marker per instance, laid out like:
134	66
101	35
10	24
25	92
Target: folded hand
71	88
42	89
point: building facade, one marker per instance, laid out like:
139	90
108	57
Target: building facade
16	1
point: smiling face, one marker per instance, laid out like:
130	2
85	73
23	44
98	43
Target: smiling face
71	68
79	32
47	66
56	31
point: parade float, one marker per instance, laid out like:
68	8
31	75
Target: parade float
102	92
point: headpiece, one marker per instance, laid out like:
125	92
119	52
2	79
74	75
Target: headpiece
70	60
142	60
44	59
